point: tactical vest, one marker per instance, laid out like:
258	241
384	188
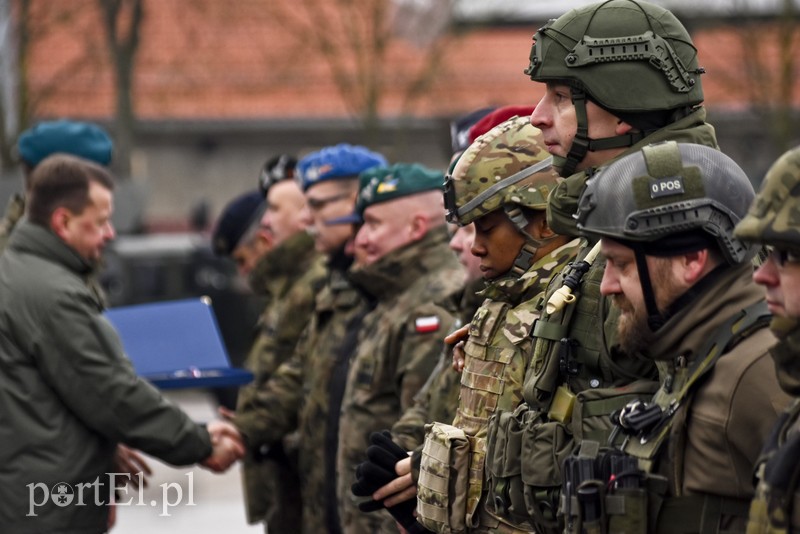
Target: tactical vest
776	506
497	355
616	490
569	393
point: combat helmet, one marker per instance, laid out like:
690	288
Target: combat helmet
774	217
506	168
631	57
668	199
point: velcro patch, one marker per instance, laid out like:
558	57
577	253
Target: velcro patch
424	325
662	187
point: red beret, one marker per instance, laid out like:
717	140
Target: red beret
498	116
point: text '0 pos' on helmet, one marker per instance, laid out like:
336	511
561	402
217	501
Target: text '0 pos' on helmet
507	167
774	217
669	198
628	55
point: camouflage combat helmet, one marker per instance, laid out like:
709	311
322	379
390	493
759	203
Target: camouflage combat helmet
665	200
628	56
507	167
774	217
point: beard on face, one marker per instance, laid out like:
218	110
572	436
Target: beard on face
633	331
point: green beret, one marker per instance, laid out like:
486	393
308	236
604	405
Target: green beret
381	184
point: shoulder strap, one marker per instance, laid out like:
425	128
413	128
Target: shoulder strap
725	338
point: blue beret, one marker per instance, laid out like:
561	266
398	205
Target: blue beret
340	161
237	217
381	184
80	139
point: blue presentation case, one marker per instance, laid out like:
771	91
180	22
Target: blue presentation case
176	344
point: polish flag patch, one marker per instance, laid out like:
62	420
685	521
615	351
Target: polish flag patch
425	325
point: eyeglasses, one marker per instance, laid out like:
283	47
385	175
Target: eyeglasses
781	256
319	203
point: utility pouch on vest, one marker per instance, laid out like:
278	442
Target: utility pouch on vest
605	492
522	468
443	479
504	466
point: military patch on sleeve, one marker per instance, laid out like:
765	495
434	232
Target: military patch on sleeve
424	325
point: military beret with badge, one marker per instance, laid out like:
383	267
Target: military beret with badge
336	162
388	183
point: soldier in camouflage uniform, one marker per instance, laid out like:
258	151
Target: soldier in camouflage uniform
438	398
593	112
305	392
406	269
774	220
80	139
287	276
500	183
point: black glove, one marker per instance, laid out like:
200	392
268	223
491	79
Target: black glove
376	472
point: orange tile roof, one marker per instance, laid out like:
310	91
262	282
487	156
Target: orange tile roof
210	59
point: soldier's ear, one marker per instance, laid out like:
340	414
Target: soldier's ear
60	222
695	265
420	224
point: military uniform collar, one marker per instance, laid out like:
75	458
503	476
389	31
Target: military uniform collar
281	266
395	272
689	330
33	239
514	289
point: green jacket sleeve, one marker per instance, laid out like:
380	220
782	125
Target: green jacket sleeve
81	357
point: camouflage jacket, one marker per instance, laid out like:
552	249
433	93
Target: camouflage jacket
498	348
398	347
438	398
774	509
14	211
293	271
297	396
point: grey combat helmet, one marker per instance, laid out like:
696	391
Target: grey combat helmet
668	199
631	57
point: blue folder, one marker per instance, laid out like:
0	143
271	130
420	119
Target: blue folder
176	344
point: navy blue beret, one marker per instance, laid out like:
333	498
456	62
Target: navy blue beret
235	220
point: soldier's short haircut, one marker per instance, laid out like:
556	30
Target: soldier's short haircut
61	180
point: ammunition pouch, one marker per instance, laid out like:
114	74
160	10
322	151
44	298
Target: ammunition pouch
443	479
605	492
527	449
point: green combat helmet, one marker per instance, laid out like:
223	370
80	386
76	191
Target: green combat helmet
632	58
774	217
506	168
668	199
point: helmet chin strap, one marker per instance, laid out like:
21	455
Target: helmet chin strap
582	143
524	259
655	319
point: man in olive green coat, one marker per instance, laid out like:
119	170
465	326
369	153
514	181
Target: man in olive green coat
69	394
